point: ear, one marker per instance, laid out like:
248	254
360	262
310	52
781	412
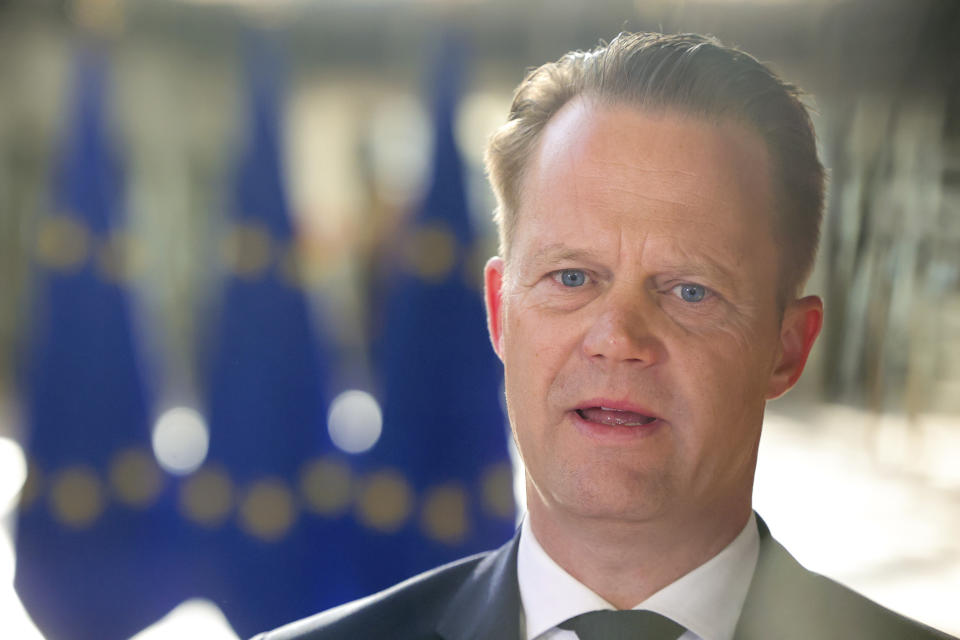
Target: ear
802	320
493	297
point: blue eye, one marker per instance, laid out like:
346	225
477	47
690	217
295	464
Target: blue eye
571	277
691	292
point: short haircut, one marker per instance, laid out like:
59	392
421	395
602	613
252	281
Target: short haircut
691	74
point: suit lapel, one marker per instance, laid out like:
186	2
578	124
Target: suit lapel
487	604
775	608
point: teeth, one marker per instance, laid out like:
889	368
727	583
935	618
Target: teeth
615	417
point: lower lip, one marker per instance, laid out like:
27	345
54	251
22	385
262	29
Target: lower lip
615	434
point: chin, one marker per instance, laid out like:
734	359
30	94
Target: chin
634	501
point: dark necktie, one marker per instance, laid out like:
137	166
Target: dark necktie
623	625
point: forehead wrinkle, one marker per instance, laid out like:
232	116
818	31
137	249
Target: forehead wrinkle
680	193
643	207
639	247
673	203
606	166
643	216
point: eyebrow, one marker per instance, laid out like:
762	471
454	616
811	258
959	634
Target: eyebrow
703	266
556	254
560	252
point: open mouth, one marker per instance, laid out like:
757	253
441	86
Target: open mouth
614	417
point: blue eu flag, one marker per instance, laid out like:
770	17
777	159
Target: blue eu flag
268	507
96	527
440	481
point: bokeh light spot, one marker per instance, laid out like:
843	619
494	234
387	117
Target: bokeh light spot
62	243
135	478
444	515
432	252
76	497
180	440
385	501
354	421
267	510
207	496
326	486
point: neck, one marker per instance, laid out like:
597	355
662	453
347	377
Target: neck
625	562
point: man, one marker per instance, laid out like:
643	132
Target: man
659	208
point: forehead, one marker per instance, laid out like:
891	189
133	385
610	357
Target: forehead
601	166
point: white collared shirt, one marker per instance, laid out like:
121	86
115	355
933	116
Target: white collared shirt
707	601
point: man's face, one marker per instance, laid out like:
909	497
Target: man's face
637	317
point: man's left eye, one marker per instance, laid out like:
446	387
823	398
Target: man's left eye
571	277
690	292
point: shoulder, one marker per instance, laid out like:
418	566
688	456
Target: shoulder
834	610
412	606
787	602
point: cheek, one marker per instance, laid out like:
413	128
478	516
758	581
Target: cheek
725	382
724	414
525	352
539	353
537	343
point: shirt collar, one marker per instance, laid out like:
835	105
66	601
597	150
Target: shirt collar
707	601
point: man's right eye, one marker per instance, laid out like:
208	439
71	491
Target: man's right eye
571	277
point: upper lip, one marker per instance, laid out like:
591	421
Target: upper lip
615	405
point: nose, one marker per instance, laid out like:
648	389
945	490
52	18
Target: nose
624	331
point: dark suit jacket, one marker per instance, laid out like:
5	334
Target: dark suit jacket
477	598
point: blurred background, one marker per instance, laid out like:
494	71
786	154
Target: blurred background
244	373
